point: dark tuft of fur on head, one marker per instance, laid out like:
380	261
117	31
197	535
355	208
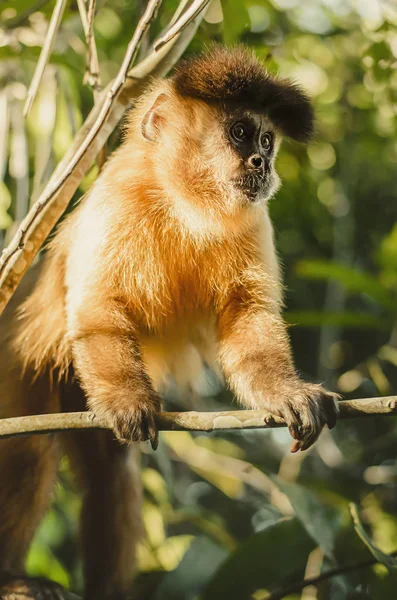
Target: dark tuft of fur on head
236	78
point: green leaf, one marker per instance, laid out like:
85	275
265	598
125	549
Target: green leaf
193	572
380	51
360	320
387	254
266	560
321	522
236	21
390	562
352	280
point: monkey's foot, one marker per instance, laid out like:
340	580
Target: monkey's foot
17	587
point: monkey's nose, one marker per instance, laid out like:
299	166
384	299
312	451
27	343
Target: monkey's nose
256	162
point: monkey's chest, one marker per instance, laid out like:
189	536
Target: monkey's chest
184	358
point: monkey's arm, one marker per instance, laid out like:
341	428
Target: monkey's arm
109	365
256	358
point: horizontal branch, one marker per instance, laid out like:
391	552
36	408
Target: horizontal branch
189	421
298	586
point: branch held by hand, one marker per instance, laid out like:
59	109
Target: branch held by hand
190	420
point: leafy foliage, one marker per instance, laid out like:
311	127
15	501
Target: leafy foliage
218	525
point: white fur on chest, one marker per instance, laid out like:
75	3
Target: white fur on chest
185	356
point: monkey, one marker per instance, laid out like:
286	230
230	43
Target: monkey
167	266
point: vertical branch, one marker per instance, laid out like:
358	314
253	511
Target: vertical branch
92	76
45	54
145	44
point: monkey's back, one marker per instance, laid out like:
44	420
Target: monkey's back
32	336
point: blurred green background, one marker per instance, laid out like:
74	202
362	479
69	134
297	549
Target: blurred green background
235	515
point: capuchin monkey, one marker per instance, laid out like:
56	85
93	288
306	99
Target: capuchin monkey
166	268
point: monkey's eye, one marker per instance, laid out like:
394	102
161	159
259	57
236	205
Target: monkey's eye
266	141
238	132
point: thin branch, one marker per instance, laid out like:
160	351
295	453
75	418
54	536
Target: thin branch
145	44
191	13
92	76
297	586
102	120
189	421
45	53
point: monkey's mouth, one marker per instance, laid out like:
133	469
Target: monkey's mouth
253	185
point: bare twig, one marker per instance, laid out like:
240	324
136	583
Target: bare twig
53	27
145	44
297	586
92	75
189	421
90	139
191	13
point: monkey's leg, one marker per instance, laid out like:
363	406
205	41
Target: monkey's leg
27	473
110	522
28	468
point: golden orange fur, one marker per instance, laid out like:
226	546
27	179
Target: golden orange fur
165	267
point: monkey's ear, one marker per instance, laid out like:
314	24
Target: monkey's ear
153	119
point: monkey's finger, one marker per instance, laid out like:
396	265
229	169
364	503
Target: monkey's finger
294	422
294	431
295	446
309	441
332	411
153	435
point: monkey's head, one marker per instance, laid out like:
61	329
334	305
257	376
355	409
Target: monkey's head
213	129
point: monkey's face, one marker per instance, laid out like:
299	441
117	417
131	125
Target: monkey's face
254	142
213	162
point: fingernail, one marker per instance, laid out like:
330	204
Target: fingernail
295	447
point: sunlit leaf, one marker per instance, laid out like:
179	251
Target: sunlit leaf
390	562
236	20
388	353
41	562
5	201
354	320
203	462
171	552
155	484
352	280
154	524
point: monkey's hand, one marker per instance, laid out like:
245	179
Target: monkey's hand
306	408
137	421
